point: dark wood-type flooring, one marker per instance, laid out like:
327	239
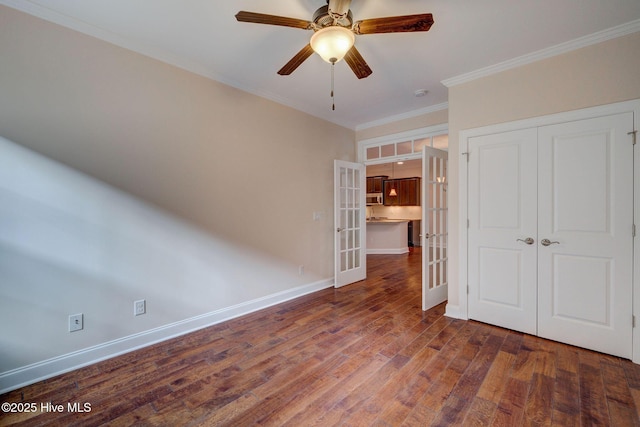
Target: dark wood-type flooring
365	354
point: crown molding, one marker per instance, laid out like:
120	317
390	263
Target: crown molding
407	115
598	37
199	69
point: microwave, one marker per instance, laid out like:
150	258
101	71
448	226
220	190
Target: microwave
374	199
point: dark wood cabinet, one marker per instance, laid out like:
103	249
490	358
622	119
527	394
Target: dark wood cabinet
374	183
408	190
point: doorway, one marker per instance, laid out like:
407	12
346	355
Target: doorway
401	157
384	237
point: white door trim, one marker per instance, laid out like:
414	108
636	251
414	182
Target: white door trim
461	311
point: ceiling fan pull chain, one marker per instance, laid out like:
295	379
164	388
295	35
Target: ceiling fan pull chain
333	99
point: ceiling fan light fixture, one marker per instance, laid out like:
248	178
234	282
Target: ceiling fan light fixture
332	43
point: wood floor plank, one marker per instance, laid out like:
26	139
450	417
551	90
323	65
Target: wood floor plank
361	370
481	412
620	402
526	361
473	377
436	396
512	342
566	397
359	397
363	354
538	410
396	398
593	407
510	410
494	383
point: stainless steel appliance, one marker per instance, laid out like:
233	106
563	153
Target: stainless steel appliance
374	199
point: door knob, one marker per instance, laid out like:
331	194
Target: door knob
547	242
528	240
339	229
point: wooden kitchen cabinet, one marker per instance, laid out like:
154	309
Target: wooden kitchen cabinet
408	190
374	183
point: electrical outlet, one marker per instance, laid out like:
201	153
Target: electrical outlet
139	307
301	269
76	322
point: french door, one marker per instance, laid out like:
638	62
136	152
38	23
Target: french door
550	232
434	227
350	222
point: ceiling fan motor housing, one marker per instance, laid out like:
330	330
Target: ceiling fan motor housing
323	19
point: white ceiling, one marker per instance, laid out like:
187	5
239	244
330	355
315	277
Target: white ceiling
468	35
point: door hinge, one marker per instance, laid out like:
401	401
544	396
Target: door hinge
633	321
467	289
466	153
633	134
633	230
467	222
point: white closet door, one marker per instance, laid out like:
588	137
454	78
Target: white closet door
502	224
585	209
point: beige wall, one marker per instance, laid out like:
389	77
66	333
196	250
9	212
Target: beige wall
241	166
243	173
600	74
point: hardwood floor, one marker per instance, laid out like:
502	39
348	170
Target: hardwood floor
364	354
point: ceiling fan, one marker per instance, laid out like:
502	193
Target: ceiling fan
335	31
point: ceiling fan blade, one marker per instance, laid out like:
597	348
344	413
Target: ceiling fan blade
394	24
339	7
261	18
295	62
356	62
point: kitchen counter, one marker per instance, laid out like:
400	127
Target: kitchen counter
385	220
387	236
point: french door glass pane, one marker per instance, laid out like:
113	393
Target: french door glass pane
437	225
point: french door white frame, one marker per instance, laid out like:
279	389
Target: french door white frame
427	132
461	311
350	259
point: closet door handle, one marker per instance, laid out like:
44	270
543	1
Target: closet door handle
547	242
528	240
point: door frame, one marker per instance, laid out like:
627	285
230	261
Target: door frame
412	135
461	310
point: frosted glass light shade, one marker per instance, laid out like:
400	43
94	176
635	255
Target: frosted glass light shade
332	43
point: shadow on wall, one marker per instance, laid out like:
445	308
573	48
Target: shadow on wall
71	244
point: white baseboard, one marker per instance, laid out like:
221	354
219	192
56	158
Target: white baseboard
454	312
39	371
396	251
